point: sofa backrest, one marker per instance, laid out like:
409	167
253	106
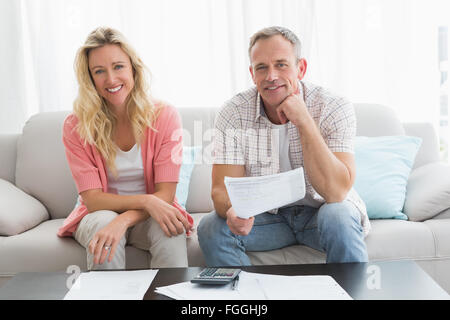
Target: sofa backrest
378	120
8	156
42	170
197	128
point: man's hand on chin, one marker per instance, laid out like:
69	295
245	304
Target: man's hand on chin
292	108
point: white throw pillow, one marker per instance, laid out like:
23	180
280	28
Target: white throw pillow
19	211
428	191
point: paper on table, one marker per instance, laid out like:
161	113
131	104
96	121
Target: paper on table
111	285
248	289
250	196
255	286
301	288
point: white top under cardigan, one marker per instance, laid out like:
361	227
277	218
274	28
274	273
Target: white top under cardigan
130	173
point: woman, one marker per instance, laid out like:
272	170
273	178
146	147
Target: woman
124	150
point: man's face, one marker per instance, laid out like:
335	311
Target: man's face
275	69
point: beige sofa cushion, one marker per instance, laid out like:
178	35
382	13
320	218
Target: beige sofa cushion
428	191
18	211
440	229
199	197
41	169
8	146
41	250
400	239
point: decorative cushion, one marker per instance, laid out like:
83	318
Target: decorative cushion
19	211
428	191
383	165
190	157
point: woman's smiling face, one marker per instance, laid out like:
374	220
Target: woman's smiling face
112	72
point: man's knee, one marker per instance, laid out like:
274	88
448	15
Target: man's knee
210	228
339	216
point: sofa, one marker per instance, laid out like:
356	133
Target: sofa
37	192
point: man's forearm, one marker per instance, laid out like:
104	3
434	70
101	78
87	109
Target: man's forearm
221	202
329	176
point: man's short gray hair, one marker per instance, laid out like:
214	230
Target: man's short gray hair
274	31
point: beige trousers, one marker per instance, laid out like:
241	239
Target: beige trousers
147	235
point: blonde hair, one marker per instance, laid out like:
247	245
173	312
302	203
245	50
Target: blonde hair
96	121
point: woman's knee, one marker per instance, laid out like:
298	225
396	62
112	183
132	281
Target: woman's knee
101	217
92	223
169	251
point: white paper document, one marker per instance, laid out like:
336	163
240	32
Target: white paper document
111	285
250	196
256	286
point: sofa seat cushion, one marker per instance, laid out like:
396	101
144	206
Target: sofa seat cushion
440	229
399	239
41	250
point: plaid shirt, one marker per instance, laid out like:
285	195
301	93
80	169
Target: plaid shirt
245	136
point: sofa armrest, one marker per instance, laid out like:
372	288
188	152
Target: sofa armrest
18	211
427	191
8	155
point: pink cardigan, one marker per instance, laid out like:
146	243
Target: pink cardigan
89	170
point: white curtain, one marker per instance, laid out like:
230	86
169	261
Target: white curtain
368	50
381	51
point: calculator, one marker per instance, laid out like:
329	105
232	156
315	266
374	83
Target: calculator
216	276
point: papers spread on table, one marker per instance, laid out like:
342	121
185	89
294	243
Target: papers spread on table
250	196
111	285
256	286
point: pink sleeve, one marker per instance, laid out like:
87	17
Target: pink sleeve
80	158
169	146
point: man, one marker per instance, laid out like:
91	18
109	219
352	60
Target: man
281	124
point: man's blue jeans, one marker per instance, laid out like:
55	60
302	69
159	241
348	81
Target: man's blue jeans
333	228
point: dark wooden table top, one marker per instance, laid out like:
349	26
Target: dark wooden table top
403	280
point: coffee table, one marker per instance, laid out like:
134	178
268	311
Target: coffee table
388	280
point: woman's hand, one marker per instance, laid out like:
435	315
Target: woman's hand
171	221
109	236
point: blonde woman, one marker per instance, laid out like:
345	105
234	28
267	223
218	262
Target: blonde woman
124	150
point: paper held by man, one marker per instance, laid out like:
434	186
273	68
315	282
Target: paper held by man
250	196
